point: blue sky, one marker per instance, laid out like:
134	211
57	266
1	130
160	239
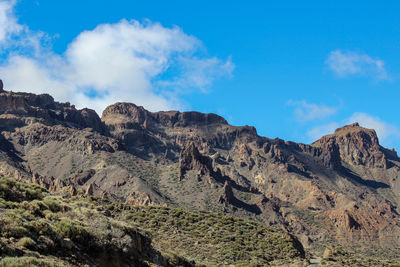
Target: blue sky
293	70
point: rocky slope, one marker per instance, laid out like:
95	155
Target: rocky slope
343	188
38	228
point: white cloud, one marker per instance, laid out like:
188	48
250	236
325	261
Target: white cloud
8	22
344	64
144	63
305	111
383	129
200	73
321	130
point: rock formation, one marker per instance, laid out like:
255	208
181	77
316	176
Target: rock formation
354	145
191	159
343	185
227	196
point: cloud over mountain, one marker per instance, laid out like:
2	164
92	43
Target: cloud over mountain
145	63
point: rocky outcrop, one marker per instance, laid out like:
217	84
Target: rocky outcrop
227	196
191	159
83	176
1	86
354	145
84	140
89	190
131	116
138	199
49	183
19	109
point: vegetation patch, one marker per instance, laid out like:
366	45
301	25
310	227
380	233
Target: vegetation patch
336	256
213	238
41	229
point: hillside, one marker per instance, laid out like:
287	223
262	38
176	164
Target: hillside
341	190
44	229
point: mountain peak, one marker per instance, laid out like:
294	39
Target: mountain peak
355	145
354	128
353	132
349	127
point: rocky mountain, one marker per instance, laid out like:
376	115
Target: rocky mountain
342	189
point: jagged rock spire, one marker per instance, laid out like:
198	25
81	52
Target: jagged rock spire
1	86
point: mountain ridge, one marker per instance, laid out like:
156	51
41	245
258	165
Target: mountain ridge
343	188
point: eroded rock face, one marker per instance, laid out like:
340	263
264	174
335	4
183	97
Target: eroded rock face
19	109
191	159
130	115
365	222
355	145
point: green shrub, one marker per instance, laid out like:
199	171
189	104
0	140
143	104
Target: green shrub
4	204
27	242
12	225
213	238
176	260
42	227
74	231
28	261
34	207
54	204
11	190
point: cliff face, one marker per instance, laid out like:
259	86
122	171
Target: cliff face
344	186
356	146
19	109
